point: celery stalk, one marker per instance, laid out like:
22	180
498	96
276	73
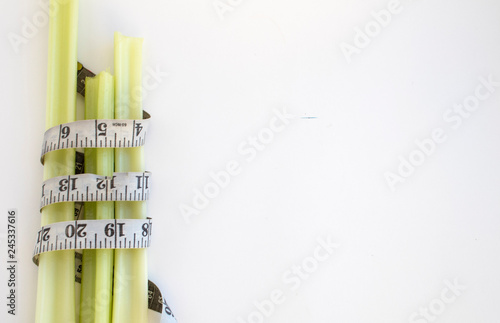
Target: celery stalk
130	299
56	271
97	268
87	291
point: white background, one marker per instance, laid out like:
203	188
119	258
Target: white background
322	176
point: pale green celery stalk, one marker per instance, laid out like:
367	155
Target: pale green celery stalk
97	268
56	271
87	291
88	286
130	299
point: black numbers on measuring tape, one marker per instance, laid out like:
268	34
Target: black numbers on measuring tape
142	178
102	129
70	231
65	132
168	311
112	182
43	235
120	229
138	128
93	133
146	229
80	230
64	183
109	229
132	186
102	183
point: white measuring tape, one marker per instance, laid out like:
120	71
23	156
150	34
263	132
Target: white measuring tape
130	186
103	234
99	133
93	234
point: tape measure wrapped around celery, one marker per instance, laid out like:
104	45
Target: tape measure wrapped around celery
129	300
115	286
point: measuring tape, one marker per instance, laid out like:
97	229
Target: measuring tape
103	234
99	133
93	234
131	186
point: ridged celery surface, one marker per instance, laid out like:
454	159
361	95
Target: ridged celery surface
97	265
130	299
56	271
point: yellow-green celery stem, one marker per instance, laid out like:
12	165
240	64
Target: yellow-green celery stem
56	271
130	282
97	268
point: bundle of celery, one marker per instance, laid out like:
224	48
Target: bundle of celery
114	282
